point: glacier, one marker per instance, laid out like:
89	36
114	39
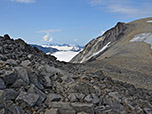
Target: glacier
64	55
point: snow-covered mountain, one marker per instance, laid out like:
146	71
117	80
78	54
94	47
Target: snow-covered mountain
63	52
64	47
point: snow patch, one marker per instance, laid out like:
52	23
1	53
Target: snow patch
150	21
64	55
98	52
143	37
105	47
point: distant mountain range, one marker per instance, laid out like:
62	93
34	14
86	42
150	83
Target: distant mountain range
52	48
63	52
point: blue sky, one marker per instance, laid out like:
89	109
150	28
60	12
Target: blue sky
67	21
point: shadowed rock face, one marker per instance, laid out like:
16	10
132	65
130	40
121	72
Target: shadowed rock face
112	36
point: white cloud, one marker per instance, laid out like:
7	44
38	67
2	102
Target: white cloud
51	39
128	8
50	31
24	1
47	37
75	40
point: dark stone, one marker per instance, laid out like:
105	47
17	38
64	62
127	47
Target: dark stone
9	78
53	97
2	84
15	109
35	90
22	73
10	94
29	98
7	37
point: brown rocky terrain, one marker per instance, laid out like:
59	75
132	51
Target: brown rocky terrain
32	82
122	60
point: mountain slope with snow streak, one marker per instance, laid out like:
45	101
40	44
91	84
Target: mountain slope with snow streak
129	56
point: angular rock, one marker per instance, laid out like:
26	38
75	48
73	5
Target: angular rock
92	98
139	110
2	111
82	113
19	83
26	63
51	111
53	97
72	97
34	80
29	98
10	94
95	99
30	56
80	97
115	95
1	96
9	77
7	37
2	72
88	108
64	107
81	87
3	57
100	109
15	109
2	84
22	73
51	70
67	111
128	105
35	90
65	78
11	62
147	110
47	82
88	98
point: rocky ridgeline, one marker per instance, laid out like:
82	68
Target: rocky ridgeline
111	36
32	82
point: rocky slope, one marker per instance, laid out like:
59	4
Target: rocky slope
92	49
32	82
123	53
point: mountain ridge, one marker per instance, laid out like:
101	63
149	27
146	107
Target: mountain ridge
129	59
100	42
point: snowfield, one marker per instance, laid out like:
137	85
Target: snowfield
65	52
143	37
105	47
65	55
98	52
65	48
150	21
